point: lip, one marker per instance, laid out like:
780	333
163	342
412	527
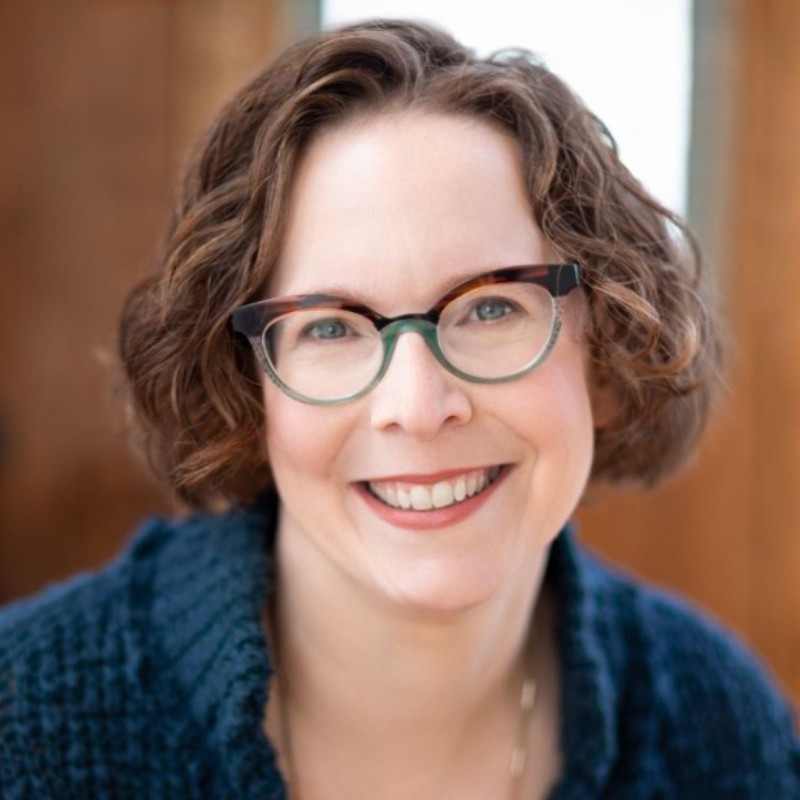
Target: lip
435	518
428	478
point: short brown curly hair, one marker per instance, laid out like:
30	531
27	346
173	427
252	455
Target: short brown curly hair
194	387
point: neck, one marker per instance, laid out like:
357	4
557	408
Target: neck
438	686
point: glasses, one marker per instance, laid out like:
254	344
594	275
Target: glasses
495	327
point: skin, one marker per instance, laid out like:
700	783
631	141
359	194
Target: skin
419	630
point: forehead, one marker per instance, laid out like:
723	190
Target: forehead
407	204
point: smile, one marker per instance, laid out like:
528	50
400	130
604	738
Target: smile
424	497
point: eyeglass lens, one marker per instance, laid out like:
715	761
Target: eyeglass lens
490	333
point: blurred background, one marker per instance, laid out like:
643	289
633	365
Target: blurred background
100	99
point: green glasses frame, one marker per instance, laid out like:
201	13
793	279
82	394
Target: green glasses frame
252	320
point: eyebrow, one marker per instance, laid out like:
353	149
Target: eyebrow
340	291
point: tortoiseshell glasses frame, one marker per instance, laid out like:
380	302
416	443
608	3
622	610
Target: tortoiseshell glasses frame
264	321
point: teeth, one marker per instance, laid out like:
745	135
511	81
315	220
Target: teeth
421	499
442	495
403	499
424	497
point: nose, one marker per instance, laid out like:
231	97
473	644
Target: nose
417	394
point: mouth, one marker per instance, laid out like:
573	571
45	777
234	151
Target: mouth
454	490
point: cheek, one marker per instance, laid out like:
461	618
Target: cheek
567	430
575	400
558	417
564	449
302	441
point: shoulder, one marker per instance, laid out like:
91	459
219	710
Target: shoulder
726	724
87	602
110	682
68	659
108	599
79	687
66	607
719	724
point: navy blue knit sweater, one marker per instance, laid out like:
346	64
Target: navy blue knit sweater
149	679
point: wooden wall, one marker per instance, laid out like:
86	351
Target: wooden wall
98	101
727	533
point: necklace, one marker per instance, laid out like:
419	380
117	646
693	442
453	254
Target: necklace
519	752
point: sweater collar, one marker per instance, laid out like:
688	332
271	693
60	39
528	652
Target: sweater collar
589	677
209	587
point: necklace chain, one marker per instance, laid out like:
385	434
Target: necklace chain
519	752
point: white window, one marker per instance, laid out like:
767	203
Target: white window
629	60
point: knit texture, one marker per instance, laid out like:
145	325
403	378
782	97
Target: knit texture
149	679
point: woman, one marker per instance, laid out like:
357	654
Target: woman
409	305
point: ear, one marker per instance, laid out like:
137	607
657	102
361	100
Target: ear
605	403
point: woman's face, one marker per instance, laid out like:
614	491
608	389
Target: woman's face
393	211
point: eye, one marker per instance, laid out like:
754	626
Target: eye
330	328
492	308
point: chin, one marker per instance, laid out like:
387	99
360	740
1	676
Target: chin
437	591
